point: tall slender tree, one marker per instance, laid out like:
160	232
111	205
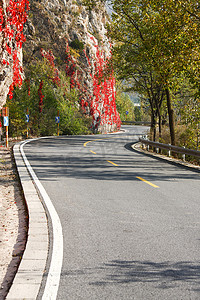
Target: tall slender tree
160	35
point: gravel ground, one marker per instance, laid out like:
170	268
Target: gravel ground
13	221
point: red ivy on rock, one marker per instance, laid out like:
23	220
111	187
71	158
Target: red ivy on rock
101	105
11	28
50	57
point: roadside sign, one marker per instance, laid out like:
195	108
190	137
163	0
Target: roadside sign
27	121
27	118
57	120
5	112
0	128
127	112
6	121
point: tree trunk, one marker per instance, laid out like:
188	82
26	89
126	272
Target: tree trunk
154	131
153	127
171	117
160	127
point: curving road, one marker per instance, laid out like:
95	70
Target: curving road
131	223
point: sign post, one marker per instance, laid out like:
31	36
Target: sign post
5	114
0	127
27	121
57	119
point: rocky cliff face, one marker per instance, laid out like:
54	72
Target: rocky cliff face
12	18
52	22
6	70
56	24
77	38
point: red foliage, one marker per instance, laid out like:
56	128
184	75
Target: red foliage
28	86
101	105
11	27
50	57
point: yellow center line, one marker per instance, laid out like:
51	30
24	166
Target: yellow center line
140	178
112	163
85	144
113	137
92	152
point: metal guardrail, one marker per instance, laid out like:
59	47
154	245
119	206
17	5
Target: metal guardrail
171	148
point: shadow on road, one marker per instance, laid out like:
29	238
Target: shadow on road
73	160
164	275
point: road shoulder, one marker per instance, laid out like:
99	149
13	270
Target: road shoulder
28	278
13	221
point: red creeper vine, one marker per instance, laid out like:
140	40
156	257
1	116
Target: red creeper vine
101	105
12	21
50	57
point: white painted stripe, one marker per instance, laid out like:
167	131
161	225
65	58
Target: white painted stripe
53	278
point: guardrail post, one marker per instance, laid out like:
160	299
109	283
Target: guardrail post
147	147
183	156
157	150
169	151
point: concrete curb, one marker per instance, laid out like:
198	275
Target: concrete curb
29	276
137	147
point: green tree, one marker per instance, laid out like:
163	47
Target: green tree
57	97
156	35
124	105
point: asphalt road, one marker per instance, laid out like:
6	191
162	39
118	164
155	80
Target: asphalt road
131	223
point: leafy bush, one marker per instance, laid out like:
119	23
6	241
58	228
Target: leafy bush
125	107
43	107
76	44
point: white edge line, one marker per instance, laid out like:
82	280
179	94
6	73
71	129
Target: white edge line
53	278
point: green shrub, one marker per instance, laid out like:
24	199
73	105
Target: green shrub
57	97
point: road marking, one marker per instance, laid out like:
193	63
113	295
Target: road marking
53	278
85	144
140	178
92	152
112	163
